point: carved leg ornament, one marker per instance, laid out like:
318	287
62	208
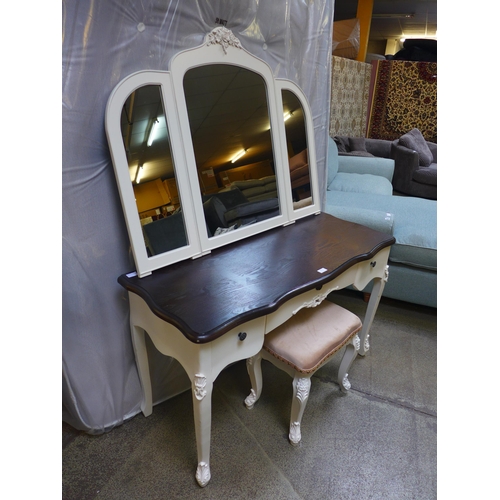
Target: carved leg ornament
356	342
255	373
301	387
350	354
200	381
203	474
251	399
367	343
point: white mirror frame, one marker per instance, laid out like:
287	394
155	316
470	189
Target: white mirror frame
314	208
220	47
147	264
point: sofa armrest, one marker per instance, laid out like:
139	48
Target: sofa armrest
383	167
374	219
406	163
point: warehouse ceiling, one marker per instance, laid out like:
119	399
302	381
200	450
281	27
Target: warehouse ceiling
395	19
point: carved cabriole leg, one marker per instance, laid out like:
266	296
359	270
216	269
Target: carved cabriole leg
254	369
375	296
301	388
351	351
202	362
141	359
202	409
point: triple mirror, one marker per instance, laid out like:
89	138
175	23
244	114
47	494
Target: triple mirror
210	152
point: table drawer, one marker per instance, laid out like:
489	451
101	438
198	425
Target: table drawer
358	275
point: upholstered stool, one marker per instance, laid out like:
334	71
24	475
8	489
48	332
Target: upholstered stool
301	346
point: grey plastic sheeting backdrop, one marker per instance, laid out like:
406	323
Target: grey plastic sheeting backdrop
103	42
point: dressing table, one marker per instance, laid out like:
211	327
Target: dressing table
210	300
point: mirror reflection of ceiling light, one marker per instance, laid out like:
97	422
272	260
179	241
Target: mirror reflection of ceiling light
393	16
153	131
138	174
237	156
287	115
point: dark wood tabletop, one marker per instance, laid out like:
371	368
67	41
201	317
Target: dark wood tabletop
208	296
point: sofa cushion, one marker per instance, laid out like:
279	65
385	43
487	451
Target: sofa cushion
270	186
268	179
361	183
229	197
357	144
165	234
253	211
248	184
374	219
342	144
357	153
415	140
383	167
214	211
265	196
415	223
426	175
254	190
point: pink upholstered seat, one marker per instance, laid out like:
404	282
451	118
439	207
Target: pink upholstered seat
300	347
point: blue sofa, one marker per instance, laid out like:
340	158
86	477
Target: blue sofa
359	189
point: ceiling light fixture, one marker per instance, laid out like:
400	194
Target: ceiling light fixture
138	174
153	131
237	156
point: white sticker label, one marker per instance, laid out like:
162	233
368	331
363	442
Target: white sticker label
322	270
131	275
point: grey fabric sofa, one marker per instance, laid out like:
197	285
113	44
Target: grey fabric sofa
359	190
410	176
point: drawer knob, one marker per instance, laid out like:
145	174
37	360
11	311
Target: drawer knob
373	264
242	335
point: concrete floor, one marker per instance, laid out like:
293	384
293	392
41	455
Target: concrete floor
378	441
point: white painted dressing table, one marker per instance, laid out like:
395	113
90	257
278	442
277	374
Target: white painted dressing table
213	311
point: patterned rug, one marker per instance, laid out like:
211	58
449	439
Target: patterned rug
349	98
403	96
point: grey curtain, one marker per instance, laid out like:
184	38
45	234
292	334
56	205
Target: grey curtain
103	42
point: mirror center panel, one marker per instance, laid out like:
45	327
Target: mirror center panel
230	127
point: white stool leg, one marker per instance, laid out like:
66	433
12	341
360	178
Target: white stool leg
254	369
351	351
301	387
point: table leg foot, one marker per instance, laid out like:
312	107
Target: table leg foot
203	474
295	435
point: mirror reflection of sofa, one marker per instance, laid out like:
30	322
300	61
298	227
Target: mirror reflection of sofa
242	203
255	189
359	190
299	174
165	234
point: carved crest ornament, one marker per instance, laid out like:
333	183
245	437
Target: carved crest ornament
223	37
